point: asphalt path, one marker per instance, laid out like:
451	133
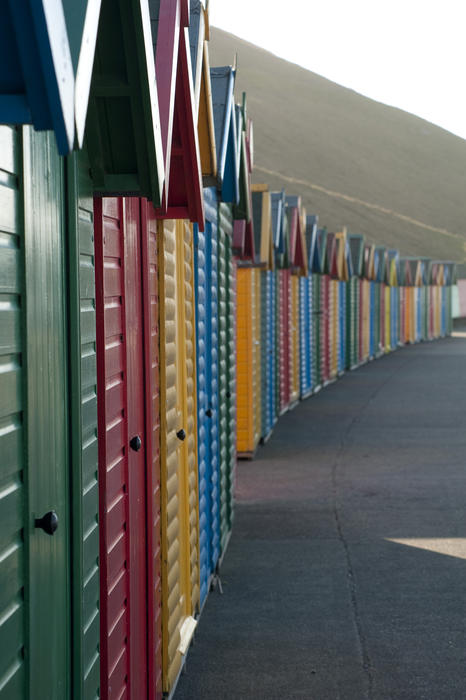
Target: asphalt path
345	576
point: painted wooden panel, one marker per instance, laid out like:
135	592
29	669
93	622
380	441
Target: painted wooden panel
271	349
248	368
256	342
388	316
226	221
305	335
122	467
13	441
204	459
227	370
187	406
402	293
150	286
179	479
285	340
394	317
207	360
294	334
265	421
372	318
34	567
325	320
342	326
213	382
333	328
316	331
173	593
83	437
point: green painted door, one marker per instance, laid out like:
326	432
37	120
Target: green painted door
83	434
227	372
34	569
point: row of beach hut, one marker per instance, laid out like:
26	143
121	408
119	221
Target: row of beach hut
158	312
313	304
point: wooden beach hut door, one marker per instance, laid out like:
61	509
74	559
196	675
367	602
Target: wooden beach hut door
34	558
127	394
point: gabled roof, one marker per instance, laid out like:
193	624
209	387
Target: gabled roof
311	236
418	274
393	273
380	261
356	244
438	273
278	214
405	276
297	255
262	218
369	262
123	127
46	59
320	251
199	35
331	264
451	273
182	193
242	210
426	265
82	23
223	80
342	258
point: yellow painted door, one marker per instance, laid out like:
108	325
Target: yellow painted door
180	569
244	361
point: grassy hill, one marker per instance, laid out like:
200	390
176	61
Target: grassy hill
382	172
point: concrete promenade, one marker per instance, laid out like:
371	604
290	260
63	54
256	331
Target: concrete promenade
346	572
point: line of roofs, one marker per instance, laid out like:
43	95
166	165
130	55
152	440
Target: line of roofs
130	80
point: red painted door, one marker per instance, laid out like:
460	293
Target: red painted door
129	488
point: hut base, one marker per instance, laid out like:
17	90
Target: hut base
222	556
264	439
247	455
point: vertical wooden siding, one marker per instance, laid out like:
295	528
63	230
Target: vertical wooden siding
245	361
34	567
83	438
294	332
179	479
150	279
256	365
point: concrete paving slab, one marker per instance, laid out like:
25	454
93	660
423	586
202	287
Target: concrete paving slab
345	575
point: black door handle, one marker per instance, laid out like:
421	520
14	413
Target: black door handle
48	523
135	443
209	413
181	435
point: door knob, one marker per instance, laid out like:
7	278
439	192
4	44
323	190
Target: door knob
48	523
135	443
209	413
181	435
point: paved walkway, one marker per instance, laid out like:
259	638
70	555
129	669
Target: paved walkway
346	573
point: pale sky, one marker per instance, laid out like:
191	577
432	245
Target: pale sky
407	53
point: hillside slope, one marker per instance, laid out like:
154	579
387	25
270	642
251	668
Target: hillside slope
387	174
